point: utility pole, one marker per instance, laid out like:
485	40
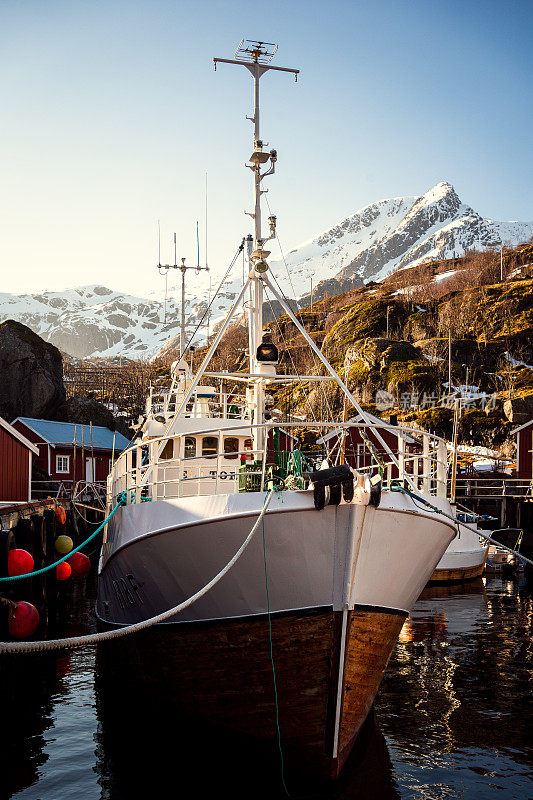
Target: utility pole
311	294
449	360
163	270
501	262
388	309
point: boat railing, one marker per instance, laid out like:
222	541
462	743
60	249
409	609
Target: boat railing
153	470
222	405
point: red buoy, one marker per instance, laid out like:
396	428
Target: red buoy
23	620
63	571
19	562
81	565
61	515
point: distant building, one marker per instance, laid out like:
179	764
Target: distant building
16	452
524	450
71	452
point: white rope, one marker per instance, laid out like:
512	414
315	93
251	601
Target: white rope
92	638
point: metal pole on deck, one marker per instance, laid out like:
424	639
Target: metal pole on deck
93	471
83	473
74	456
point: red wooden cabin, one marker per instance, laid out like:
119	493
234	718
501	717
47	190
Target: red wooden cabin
356	451
71	452
524	450
16	453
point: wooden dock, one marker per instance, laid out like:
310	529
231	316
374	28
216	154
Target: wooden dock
508	499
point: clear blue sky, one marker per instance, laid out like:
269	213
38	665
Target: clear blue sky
111	114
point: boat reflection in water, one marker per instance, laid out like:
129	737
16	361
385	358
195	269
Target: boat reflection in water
141	751
464	668
454	718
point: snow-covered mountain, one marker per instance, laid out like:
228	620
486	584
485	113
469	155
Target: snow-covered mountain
94	321
397	233
370	244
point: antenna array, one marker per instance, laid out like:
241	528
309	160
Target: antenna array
256	52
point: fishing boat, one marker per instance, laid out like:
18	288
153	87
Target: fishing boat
288	639
466	555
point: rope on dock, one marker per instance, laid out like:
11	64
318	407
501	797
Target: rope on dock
93	638
416	498
121	502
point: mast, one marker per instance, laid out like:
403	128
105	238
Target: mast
256	57
182	325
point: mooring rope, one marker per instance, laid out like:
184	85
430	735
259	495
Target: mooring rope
5	578
92	638
416	497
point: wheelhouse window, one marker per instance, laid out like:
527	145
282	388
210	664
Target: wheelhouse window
231	447
145	455
190	447
63	464
209	446
168	449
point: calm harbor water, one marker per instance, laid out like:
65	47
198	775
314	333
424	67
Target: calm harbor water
453	719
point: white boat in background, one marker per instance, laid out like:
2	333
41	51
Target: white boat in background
323	589
466	555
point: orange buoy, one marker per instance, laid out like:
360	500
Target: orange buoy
81	565
61	515
63	571
23	620
19	562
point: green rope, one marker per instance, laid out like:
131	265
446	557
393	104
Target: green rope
68	555
274	668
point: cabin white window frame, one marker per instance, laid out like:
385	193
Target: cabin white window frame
231	455
186	453
60	465
212	454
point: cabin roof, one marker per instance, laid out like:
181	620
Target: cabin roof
68	433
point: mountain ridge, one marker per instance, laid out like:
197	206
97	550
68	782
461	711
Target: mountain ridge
384	236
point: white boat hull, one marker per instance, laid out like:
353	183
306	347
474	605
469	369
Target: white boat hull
464	558
158	554
340	584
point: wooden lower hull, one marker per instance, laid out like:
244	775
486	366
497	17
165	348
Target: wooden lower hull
328	669
457	575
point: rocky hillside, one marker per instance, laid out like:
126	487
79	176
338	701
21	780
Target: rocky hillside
399	233
390	342
31	383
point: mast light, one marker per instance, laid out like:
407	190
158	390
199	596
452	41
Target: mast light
267	353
